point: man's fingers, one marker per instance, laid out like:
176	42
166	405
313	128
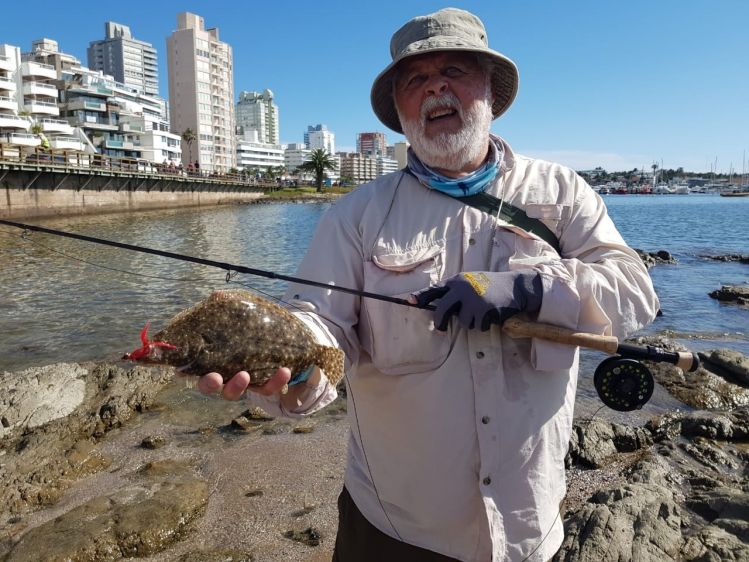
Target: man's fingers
210	383
443	314
275	383
428	295
235	386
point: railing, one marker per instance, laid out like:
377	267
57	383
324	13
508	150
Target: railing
74	161
55	121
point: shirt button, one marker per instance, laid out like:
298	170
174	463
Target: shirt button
485	419
487	481
480	354
471	241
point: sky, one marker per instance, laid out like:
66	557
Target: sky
610	83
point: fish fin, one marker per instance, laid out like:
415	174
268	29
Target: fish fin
330	360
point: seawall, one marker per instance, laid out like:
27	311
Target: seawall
35	191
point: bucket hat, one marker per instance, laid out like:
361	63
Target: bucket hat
449	29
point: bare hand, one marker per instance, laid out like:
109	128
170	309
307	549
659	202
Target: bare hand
236	386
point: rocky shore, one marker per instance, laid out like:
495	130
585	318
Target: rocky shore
101	463
107	462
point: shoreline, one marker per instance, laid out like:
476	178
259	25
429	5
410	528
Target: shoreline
135	453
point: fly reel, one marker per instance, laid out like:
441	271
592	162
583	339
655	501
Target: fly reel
623	384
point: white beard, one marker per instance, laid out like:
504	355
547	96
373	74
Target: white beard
451	151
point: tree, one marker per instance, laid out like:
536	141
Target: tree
189	136
319	160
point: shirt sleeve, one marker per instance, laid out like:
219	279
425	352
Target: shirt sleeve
600	285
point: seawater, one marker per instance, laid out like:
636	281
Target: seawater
66	300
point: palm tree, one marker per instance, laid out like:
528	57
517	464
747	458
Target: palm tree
189	136
319	160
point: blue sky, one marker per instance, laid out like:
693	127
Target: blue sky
618	84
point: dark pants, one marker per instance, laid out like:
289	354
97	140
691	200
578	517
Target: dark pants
360	541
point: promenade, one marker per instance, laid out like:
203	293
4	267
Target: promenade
56	183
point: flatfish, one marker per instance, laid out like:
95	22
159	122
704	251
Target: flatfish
233	331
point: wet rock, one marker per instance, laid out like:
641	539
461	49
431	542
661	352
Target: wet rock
255	493
309	536
651	259
731	293
700	389
639	521
245	424
687	500
153	442
48	441
304	429
733	363
131	523
257	414
741	258
594	442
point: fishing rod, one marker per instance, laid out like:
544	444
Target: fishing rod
622	382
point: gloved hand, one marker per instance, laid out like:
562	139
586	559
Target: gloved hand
483	298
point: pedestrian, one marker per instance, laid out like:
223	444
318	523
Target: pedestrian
458	432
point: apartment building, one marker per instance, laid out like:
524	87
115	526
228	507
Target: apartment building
372	144
256	111
320	136
201	93
361	168
400	154
130	61
29	91
252	154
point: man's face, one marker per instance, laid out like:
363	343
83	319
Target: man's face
444	105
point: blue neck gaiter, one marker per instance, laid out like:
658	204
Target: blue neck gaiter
471	184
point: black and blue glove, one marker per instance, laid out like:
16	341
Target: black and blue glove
482	298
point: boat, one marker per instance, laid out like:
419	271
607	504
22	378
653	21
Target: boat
742	191
663	189
682	188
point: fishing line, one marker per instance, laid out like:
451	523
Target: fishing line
26	238
233	270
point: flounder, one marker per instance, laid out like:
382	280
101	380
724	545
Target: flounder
233	331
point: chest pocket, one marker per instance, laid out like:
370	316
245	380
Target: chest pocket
401	339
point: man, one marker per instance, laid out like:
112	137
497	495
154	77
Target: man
458	432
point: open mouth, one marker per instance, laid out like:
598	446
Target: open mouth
441	113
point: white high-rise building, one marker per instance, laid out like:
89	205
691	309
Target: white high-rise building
257	112
320	137
253	154
201	93
130	61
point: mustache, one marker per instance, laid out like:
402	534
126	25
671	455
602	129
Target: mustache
447	100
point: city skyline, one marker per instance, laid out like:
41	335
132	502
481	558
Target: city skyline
619	87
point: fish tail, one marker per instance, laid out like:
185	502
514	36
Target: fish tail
330	360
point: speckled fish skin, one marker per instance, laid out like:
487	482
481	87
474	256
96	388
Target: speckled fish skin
233	331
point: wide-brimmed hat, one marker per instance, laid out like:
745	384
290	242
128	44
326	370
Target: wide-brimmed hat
446	30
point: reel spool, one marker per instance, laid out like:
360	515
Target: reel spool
623	384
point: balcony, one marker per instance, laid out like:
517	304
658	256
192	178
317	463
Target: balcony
66	143
88	105
39	89
7	84
98	125
8	103
56	126
21	139
6	63
14	122
37	69
131	128
36	107
122	145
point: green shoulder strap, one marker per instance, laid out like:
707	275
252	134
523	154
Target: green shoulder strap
507	212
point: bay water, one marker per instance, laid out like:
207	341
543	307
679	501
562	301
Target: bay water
67	300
